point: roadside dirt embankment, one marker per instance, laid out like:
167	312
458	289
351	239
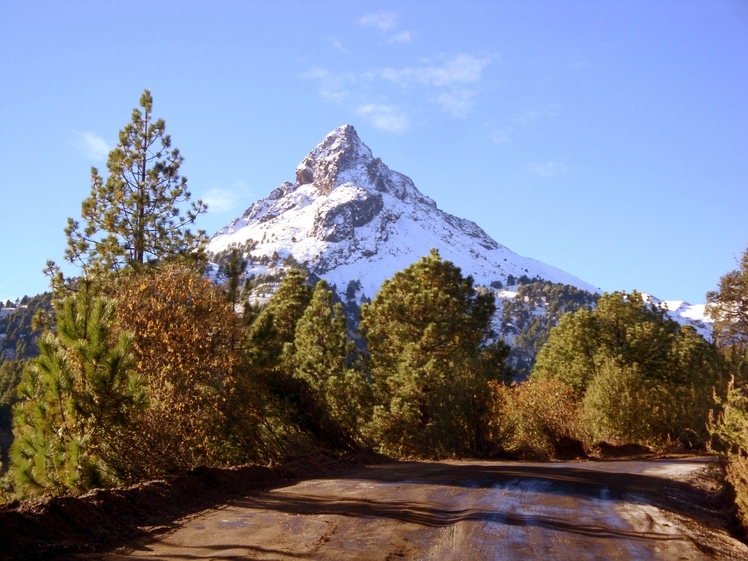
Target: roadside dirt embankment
48	526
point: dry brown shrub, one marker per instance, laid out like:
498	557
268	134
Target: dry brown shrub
737	475
535	418
185	342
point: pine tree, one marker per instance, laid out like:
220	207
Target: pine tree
427	332
133	217
234	269
629	351
320	340
267	367
322	360
622	327
276	325
75	399
728	308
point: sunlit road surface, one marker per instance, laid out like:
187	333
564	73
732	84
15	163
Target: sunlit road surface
453	510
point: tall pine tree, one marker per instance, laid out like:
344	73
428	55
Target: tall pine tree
133	217
267	365
428	334
728	307
323	360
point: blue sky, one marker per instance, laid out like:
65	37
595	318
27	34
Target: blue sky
609	139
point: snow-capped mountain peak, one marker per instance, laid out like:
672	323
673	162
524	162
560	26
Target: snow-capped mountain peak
351	218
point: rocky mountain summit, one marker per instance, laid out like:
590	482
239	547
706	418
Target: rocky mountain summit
350	218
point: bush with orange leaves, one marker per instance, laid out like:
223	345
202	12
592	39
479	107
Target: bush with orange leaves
536	418
186	340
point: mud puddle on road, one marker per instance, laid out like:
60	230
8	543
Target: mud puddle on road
532	519
452	510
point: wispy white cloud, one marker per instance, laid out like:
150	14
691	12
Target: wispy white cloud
336	44
220	199
337	88
332	87
461	69
526	120
451	83
547	169
385	117
457	102
451	76
534	114
386	24
91	145
583	63
401	37
382	21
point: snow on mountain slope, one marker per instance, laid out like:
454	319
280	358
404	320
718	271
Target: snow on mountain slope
685	314
349	217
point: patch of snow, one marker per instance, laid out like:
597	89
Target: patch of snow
685	314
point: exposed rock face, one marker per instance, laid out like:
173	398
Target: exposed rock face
340	222
350	217
342	158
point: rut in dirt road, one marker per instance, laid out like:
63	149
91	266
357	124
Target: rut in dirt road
466	510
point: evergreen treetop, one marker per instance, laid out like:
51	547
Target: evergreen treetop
133	217
728	307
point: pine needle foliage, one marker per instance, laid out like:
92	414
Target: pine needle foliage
641	375
323	360
266	367
728	308
729	432
235	267
76	398
428	333
133	217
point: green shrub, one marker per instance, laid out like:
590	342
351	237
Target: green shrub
643	377
76	397
618	405
431	357
729	431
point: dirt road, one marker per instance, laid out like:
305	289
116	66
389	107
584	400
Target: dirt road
466	510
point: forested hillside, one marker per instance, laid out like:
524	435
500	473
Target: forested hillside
21	324
17	330
530	308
